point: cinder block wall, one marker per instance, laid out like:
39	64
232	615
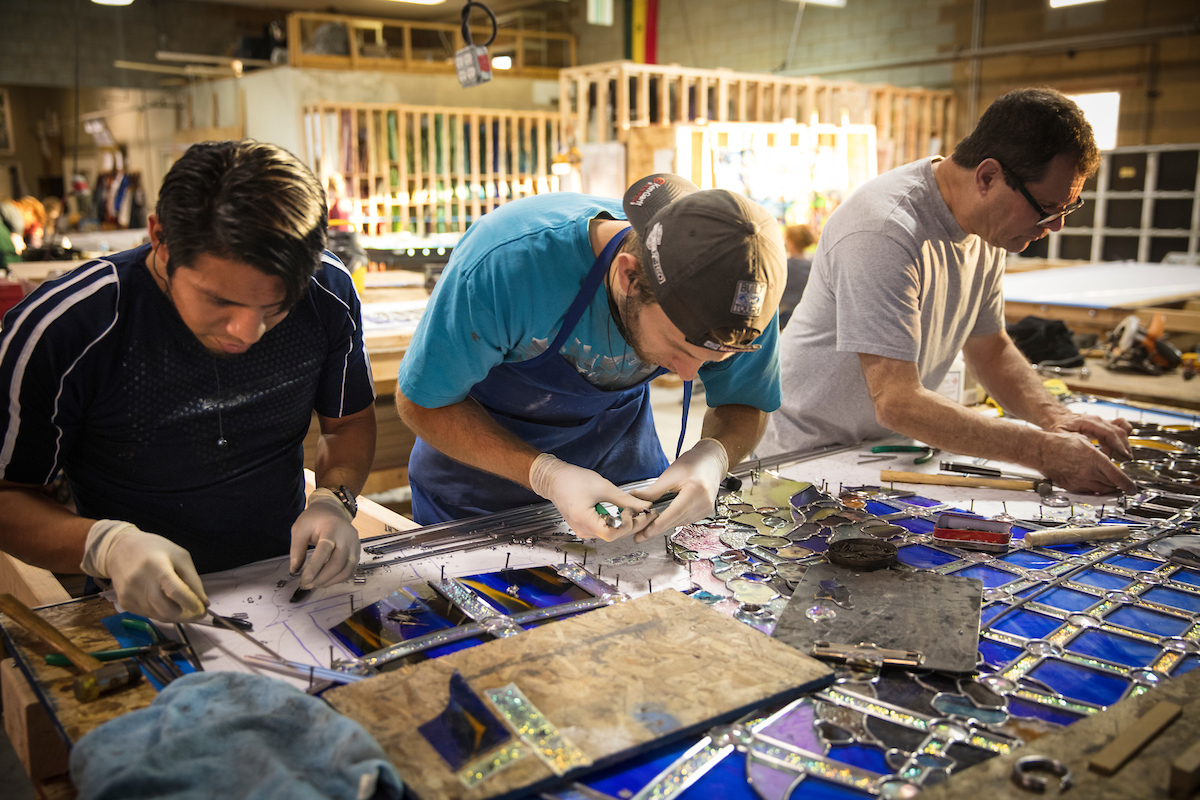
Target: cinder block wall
38	38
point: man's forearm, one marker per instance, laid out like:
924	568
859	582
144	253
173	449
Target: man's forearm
465	432
41	532
1008	378
346	450
737	427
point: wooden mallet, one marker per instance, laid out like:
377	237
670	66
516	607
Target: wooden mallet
97	676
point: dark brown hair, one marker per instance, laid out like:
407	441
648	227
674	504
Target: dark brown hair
1025	130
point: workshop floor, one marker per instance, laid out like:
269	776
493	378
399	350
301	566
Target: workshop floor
12	775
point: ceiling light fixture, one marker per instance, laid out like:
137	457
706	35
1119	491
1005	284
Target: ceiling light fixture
1065	3
502	62
113	2
421	2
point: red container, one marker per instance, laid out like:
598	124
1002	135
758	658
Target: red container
976	534
10	294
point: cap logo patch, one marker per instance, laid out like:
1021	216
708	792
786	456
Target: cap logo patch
653	240
748	299
646	191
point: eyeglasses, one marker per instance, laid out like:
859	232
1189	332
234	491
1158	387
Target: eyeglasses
1045	218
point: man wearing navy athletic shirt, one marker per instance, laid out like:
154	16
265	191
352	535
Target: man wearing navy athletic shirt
173	385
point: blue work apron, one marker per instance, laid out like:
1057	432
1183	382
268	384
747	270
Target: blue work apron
549	405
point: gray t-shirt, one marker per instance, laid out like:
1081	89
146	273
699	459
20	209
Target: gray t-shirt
894	275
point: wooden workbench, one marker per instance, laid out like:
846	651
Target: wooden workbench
1169	389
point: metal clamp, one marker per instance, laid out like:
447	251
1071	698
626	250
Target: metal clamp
1024	769
866	652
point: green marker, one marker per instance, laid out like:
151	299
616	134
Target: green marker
610	519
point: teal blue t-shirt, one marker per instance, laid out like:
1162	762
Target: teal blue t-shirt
506	291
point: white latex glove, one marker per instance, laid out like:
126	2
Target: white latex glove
575	491
696	476
326	526
152	575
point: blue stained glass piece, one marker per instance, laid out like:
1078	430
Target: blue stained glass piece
916	525
1173	598
924	502
1023	708
726	779
1146	621
1118	649
1188	576
1028	590
918	555
998	654
1186	664
1071	549
1019	532
990	576
1029	624
1134	563
1026	558
1068	599
815	543
963	512
630	775
880	509
990	611
860	756
1080	683
1103	580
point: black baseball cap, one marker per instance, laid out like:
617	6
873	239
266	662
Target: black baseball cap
714	259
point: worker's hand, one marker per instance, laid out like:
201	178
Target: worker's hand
325	526
152	575
1113	435
575	491
1071	461
696	476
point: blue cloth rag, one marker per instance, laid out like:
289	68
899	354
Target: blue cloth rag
230	735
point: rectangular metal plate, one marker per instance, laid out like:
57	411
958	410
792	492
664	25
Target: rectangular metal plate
936	615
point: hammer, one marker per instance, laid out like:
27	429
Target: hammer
97	676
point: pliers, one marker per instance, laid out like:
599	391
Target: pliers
927	453
157	646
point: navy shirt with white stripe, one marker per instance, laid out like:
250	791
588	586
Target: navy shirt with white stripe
107	383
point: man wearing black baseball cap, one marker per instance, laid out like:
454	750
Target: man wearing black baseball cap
527	378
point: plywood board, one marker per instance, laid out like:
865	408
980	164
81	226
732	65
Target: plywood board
79	621
612	680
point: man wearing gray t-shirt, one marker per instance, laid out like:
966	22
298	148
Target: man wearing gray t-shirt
908	272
